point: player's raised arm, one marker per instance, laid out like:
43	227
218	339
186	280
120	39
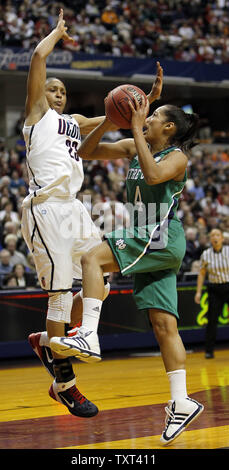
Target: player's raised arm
88	124
92	149
36	103
156	90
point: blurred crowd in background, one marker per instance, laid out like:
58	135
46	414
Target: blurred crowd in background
169	29
204	204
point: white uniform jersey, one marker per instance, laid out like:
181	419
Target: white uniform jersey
54	167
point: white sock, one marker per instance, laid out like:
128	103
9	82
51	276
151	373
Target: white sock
44	339
177	380
62	386
91	314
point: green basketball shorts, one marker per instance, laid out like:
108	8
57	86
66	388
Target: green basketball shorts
154	260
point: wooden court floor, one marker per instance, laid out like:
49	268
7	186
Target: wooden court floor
130	391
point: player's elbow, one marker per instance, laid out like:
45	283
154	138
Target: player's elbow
151	179
84	154
80	152
38	54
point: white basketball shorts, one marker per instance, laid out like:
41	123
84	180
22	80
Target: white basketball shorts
58	234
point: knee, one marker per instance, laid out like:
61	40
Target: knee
164	327
89	259
84	259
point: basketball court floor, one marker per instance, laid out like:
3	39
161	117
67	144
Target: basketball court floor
131	391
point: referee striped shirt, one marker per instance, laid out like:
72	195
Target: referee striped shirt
216	264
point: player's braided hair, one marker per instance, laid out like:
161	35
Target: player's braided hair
186	126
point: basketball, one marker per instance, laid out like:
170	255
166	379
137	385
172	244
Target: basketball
116	105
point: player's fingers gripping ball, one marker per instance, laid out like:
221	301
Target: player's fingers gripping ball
117	107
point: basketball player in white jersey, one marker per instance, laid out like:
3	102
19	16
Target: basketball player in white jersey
55	225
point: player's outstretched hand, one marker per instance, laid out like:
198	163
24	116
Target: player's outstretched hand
157	85
62	28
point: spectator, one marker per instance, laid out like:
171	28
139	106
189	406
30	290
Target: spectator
19	271
7	213
186	31
97	27
208	205
92	10
42	27
105	45
116	46
11	227
24	278
191	248
197	189
202	244
109	17
195	267
10	281
10	242
124	28
210	187
127	49
5	265
223	207
16	181
206	52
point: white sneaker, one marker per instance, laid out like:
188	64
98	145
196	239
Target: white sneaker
84	346
179	414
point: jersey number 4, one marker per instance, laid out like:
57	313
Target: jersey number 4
72	149
138	199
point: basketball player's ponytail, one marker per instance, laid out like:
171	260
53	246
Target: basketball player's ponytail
188	139
186	127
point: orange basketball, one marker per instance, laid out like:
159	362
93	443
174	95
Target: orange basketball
117	108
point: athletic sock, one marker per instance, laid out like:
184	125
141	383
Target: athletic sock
177	380
91	314
44	339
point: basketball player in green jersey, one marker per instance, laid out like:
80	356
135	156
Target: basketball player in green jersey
151	249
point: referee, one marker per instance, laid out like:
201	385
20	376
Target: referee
215	263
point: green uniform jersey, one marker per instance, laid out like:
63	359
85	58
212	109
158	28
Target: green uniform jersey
154	202
153	247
